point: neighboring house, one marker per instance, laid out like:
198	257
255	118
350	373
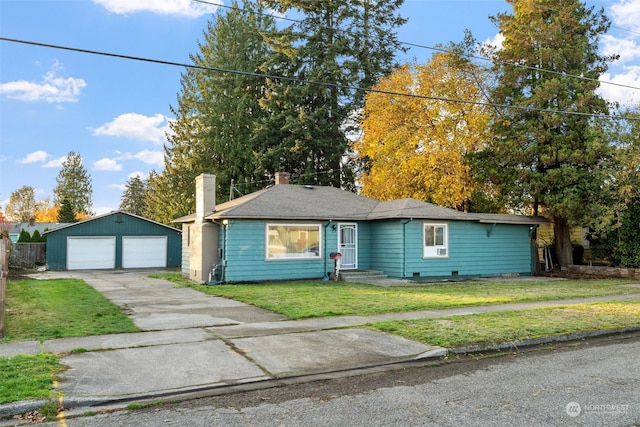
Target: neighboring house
114	240
16	227
289	232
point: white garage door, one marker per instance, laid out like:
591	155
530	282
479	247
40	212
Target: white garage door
89	253
144	252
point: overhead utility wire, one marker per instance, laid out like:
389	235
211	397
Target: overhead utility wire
311	82
437	49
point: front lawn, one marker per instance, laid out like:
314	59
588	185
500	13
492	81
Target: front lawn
507	326
302	300
45	309
27	377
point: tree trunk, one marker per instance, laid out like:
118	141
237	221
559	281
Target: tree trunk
562	237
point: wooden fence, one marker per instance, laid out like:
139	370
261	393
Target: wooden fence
5	250
32	252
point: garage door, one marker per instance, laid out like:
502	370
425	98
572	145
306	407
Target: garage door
89	253
144	252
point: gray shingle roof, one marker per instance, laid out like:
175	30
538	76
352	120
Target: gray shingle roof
297	202
305	202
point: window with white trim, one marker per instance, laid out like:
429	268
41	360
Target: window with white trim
292	241
436	241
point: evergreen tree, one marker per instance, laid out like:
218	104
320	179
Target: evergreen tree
133	199
66	213
216	113
24	236
74	185
337	46
540	156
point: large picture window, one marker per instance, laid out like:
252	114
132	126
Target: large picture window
436	241
293	241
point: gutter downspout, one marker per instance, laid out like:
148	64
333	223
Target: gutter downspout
326	250
404	247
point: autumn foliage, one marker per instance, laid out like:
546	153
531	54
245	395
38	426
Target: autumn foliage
417	146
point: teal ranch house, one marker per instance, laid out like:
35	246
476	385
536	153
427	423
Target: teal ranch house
290	231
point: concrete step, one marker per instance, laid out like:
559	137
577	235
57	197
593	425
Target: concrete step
361	275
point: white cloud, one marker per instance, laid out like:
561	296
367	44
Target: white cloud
626	13
107	164
139	174
496	41
35	157
149	157
55	163
188	8
137	126
627	49
52	88
629	76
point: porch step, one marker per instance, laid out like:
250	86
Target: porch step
362	276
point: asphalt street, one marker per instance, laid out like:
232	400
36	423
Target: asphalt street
586	386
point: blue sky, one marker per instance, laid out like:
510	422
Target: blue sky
114	112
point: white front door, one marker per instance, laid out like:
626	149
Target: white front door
348	246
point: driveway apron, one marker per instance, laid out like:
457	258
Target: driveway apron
183	346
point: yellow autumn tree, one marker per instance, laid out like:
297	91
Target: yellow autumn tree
47	214
418	146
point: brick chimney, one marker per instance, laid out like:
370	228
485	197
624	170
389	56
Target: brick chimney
282	178
205	195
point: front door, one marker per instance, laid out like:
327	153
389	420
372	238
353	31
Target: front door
348	246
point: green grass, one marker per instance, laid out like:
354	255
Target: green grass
45	309
499	327
27	377
299	300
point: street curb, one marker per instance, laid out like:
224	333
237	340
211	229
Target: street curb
76	406
514	345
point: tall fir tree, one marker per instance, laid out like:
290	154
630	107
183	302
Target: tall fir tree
133	198
74	184
66	213
541	157
337	48
216	113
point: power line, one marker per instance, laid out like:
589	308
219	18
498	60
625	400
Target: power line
443	50
311	82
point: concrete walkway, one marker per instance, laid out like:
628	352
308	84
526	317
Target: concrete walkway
192	341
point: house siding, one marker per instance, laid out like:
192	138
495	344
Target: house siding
244	254
387	248
185	249
391	246
474	249
118	225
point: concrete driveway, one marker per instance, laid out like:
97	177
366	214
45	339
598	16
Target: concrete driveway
156	304
184	346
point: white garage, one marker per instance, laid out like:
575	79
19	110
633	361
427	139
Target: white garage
91	253
144	251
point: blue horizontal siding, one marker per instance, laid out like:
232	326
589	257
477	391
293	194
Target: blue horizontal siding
245	255
391	246
474	250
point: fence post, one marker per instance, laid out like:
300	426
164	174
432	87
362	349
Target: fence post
5	251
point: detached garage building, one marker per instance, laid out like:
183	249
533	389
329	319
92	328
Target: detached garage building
114	240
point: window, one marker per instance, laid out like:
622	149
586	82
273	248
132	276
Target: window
293	241
435	241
